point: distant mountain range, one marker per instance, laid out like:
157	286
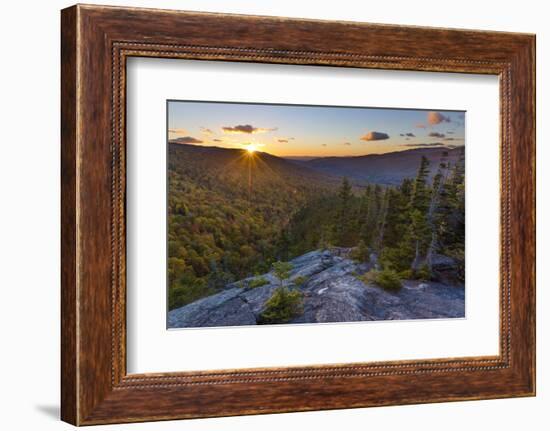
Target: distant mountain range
384	169
231	166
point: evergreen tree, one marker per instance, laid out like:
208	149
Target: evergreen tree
282	271
369	229
397	218
439	182
344	222
449	217
364	205
421	193
382	220
419	231
283	245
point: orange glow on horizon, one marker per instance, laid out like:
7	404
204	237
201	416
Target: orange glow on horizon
251	148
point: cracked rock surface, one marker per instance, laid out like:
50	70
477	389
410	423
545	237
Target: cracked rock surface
332	293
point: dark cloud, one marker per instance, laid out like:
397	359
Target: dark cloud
449	139
217	140
436	135
282	141
437	118
186	140
246	128
347	143
323	145
450	132
375	136
410	135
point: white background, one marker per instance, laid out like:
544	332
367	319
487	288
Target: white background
29	216
153	349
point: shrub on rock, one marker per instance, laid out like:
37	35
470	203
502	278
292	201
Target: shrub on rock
257	282
387	279
300	281
283	306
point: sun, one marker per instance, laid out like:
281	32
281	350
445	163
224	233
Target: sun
251	148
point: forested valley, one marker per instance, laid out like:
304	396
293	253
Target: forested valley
232	215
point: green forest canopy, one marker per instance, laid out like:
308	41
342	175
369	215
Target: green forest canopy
232	215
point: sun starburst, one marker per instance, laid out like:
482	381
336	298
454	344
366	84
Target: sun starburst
251	148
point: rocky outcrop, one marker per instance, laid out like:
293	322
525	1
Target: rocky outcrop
331	293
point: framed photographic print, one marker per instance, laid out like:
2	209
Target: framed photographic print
267	215
324	223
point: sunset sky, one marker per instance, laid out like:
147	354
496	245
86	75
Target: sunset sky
317	131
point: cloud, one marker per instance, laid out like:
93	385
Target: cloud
282	141
420	126
323	145
246	128
186	140
436	135
449	139
206	131
375	136
437	118
435	144
450	132
177	131
217	140
347	143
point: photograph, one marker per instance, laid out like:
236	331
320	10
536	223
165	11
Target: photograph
303	214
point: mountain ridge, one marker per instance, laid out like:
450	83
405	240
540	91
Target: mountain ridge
385	169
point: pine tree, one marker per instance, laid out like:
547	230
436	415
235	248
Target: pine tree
343	222
449	217
369	229
364	208
363	204
382	220
397	218
419	232
282	271
396	252
439	182
420	192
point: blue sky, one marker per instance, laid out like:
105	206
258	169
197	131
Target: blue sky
295	130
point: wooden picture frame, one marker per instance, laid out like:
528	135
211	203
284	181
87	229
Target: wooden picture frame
95	43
